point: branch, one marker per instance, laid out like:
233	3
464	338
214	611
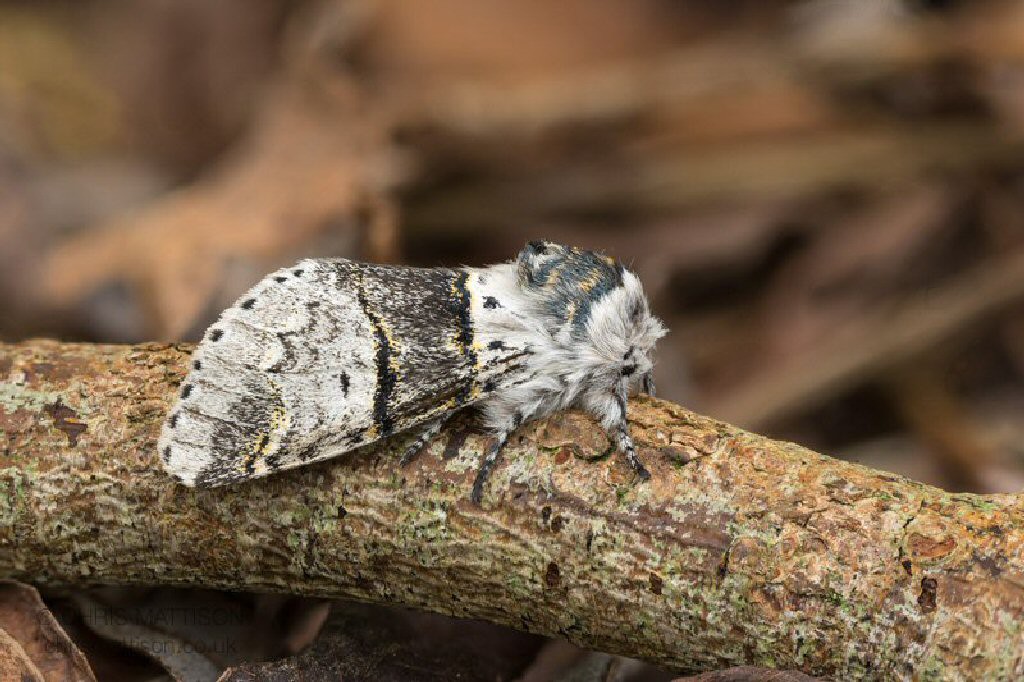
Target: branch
739	551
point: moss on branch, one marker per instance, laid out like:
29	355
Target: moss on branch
740	550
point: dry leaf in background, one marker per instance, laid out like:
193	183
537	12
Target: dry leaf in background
361	642
196	634
33	641
562	661
307	183
15	663
309	178
186	75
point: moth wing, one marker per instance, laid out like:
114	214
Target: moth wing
319	359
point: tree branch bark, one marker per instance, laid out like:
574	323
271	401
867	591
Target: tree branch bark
740	550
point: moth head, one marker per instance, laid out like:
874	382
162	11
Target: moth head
619	338
641	333
594	305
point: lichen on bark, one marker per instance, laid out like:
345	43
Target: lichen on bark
739	551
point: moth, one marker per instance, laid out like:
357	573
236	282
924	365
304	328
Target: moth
331	355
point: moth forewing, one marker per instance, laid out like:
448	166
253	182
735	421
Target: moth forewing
319	359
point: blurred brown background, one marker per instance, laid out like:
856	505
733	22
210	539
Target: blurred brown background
825	199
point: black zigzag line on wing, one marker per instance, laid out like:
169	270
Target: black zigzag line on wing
386	377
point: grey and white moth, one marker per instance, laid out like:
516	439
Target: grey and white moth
330	355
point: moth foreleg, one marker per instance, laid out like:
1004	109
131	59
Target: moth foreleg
429	431
625	440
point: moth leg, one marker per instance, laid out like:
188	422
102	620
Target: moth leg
624	438
647	384
524	413
429	431
485	467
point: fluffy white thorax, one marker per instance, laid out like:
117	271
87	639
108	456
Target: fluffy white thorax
564	368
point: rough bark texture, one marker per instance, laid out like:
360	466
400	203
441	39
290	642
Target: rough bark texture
739	551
